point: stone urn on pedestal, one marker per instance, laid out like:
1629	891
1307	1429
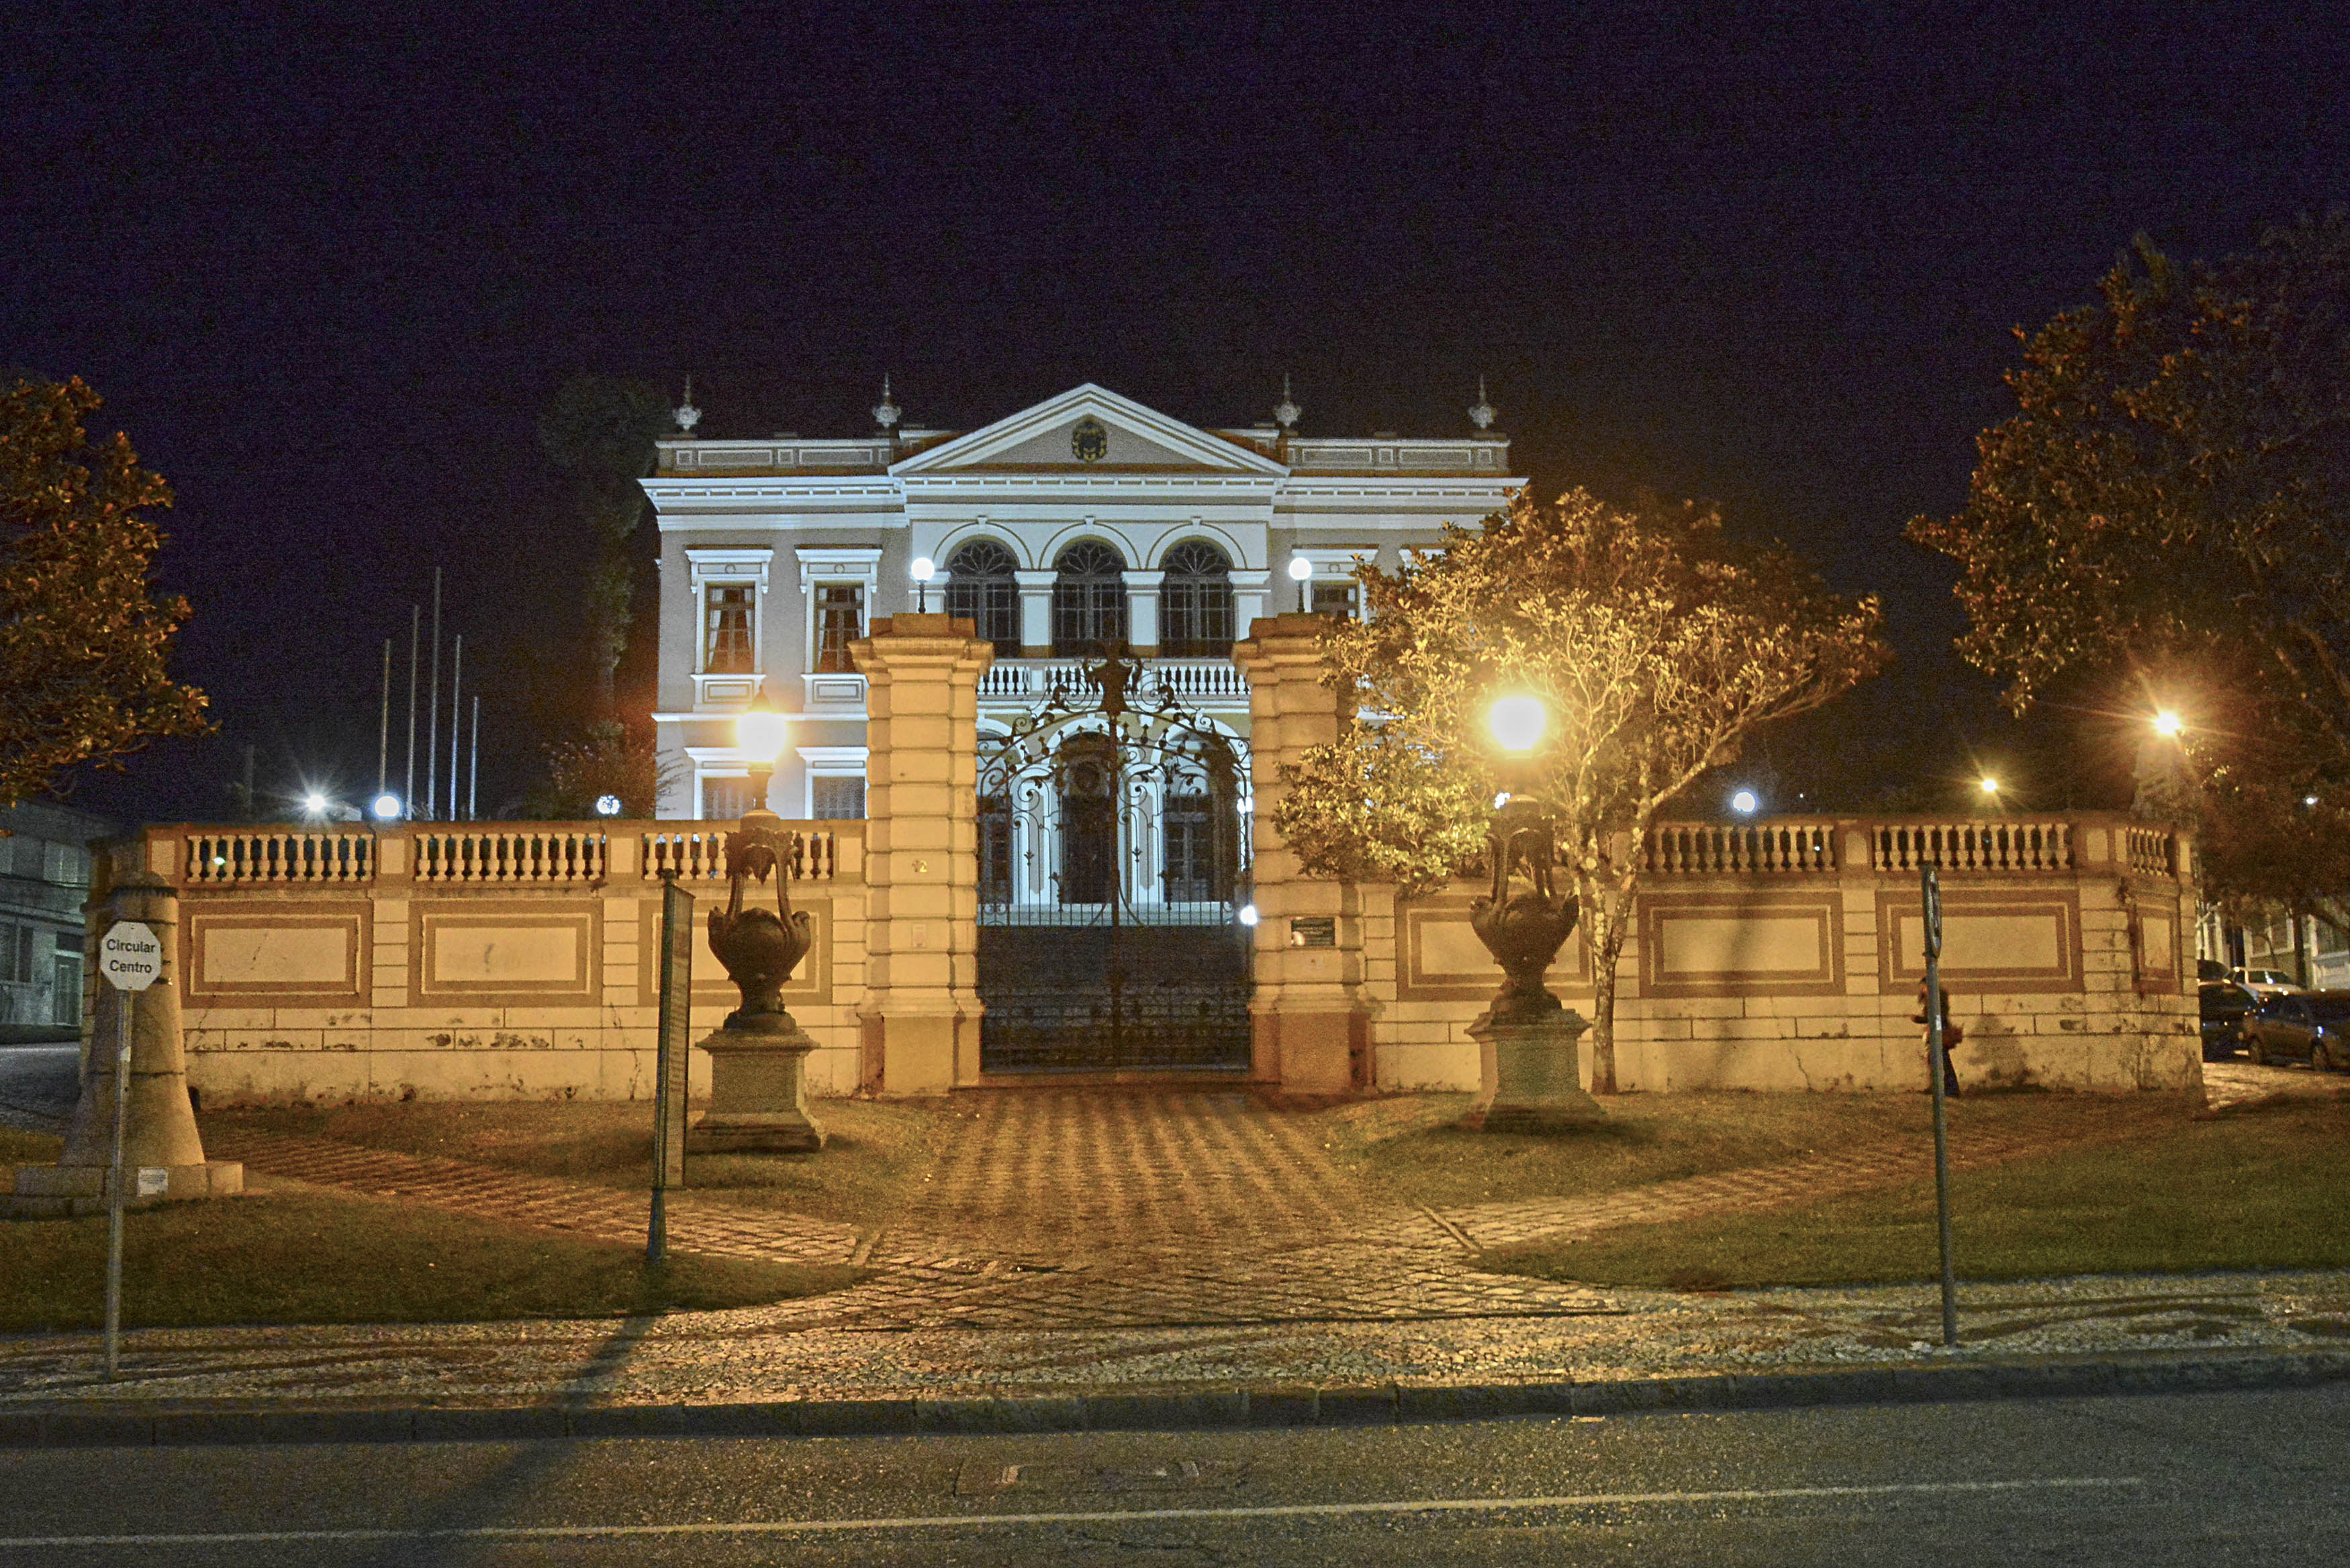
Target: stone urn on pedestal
1530	1076
758	1085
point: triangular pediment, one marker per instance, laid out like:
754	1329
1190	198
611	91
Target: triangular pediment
1085	428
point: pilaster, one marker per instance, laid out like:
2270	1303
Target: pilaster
920	1018
1311	1014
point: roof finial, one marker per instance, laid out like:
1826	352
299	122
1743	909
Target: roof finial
687	415
886	413
1287	413
1482	413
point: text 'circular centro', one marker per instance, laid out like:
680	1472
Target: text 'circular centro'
130	956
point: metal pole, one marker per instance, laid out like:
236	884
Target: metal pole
122	1004
408	792
473	764
670	1049
1935	1069
456	718
383	728
432	723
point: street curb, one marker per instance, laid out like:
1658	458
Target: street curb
119	1426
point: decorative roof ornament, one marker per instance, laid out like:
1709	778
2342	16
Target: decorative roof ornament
1482	413
686	414
1287	413
887	413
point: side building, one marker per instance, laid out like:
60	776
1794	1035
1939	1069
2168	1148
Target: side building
43	881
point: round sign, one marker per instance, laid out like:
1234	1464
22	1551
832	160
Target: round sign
130	956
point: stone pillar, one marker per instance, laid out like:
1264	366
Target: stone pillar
1142	612
1035	613
920	1019
159	1132
1310	1015
1248	599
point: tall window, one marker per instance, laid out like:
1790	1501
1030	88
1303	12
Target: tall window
839	621
726	636
981	589
1088	597
1196	603
837	797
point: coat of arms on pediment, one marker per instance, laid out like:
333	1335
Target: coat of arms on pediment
1089	440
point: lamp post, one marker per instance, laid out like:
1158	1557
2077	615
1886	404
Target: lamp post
758	1087
1301	572
1529	1050
924	571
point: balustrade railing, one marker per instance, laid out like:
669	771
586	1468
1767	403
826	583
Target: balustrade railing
1192	679
2154	850
555	856
697	852
1697	847
1978	846
226	857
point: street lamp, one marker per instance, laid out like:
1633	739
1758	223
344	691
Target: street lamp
1988	786
314	806
758	1089
759	735
385	806
1528	1078
2168	724
1746	802
924	570
1301	572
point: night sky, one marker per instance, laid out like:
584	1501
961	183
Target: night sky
327	269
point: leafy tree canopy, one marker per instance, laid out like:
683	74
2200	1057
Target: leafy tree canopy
2166	521
600	431
82	639
1656	647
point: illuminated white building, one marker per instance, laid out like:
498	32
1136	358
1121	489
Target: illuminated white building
1083	519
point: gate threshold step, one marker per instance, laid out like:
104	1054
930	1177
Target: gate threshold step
1137	1077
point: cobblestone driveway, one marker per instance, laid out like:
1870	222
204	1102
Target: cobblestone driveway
1093	1208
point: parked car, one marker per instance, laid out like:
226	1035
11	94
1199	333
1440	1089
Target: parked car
2268	982
2309	1026
2224	1004
2210	969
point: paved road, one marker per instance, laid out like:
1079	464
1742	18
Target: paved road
2193	1480
37	1085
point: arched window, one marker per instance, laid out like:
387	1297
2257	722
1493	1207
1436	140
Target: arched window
1195	603
981	589
1088	598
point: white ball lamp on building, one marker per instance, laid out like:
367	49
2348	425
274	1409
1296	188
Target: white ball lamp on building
1301	572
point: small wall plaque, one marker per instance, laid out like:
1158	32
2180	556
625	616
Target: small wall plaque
1314	931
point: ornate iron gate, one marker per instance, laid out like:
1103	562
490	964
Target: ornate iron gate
1113	868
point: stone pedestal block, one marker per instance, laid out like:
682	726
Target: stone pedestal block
62	1191
758	1094
1530	1075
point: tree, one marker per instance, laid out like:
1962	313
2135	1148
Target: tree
2166	522
82	637
600	432
1656	647
611	760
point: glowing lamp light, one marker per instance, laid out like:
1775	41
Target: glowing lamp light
608	806
385	806
1248	914
924	569
2167	723
1746	802
1989	786
1300	568
1517	723
314	804
759	733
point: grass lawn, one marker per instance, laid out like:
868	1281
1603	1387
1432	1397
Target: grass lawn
2266	1188
1409	1149
288	1254
876	1153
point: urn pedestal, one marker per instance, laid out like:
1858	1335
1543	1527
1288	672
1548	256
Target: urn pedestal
758	1092
1530	1075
